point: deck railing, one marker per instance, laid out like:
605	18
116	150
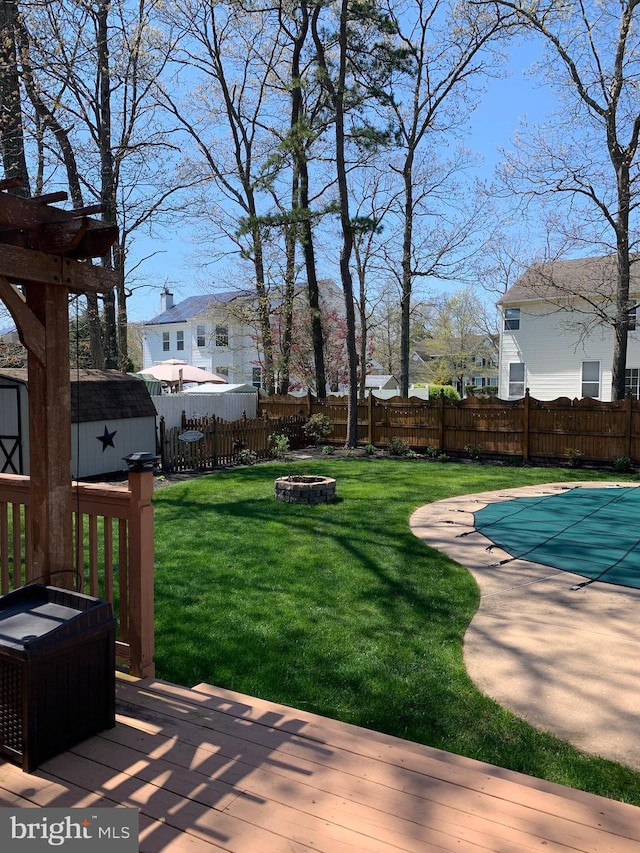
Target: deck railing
113	554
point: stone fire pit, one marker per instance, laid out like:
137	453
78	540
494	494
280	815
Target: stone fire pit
305	490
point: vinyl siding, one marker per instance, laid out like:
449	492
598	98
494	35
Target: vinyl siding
240	356
553	354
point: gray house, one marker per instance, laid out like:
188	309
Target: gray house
112	415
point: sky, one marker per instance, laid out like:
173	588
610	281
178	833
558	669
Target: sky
495	120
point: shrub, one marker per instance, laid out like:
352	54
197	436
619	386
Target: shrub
473	451
246	457
369	450
448	391
622	465
318	427
328	450
279	445
398	447
575	457
481	390
432	452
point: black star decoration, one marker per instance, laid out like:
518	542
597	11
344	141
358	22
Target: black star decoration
106	438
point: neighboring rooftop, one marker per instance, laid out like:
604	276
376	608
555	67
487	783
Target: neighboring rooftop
194	306
379	380
566	278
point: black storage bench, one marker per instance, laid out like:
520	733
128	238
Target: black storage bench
57	671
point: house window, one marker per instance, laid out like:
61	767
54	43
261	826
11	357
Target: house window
222	336
516	379
180	340
511	319
632	316
256	377
200	337
223	371
632	383
165	342
591	379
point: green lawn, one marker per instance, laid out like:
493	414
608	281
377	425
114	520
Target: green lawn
340	610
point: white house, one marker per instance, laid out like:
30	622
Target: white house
217	331
555	339
209	331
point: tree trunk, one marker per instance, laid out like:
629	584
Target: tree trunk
121	315
407	275
107	181
347	234
11	122
289	292
621	327
264	305
317	333
337	93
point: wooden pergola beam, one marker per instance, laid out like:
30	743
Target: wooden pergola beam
30	329
20	265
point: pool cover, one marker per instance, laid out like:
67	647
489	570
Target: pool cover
590	532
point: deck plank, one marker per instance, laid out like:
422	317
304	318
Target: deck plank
212	770
416	768
369	807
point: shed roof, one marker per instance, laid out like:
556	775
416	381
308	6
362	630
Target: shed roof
375	380
98	395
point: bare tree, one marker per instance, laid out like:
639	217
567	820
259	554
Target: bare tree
90	71
450	49
373	200
585	161
306	126
356	59
228	55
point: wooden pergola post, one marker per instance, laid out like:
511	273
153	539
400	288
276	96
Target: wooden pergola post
50	426
44	254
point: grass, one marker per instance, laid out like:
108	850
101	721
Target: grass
340	610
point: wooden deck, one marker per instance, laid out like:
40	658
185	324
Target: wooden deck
212	770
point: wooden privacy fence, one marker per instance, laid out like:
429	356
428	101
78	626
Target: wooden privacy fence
113	554
205	443
529	429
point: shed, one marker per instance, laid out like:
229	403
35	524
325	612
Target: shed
221	388
112	415
381	382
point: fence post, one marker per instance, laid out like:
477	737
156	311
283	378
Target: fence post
370	418
214	441
163	445
627	437
525	425
442	436
141	572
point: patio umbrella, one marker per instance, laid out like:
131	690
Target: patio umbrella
173	372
